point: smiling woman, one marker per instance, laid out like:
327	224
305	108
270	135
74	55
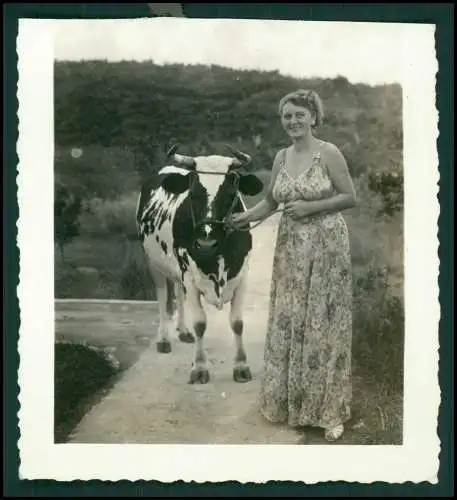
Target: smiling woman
307	358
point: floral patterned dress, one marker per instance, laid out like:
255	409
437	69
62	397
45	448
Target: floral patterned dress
307	358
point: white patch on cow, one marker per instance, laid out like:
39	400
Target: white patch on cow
165	262
233	284
202	282
239	293
222	273
211	182
195	310
137	212
172	169
205	284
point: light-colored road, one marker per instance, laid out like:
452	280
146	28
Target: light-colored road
153	403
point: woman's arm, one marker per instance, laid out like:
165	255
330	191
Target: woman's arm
339	174
266	205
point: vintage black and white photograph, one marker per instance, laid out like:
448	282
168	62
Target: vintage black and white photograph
238	246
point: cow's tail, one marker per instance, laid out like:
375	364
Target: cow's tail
170	296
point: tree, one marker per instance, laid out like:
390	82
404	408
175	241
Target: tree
67	209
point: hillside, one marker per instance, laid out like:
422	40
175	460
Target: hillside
124	115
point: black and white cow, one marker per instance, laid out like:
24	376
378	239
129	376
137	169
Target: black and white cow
180	218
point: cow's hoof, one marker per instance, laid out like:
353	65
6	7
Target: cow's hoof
186	337
242	374
163	346
199	376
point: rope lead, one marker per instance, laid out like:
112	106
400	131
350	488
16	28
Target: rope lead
257	223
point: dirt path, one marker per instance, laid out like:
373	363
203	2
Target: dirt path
153	403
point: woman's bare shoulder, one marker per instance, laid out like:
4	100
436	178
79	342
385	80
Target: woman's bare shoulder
276	167
279	159
331	153
329	147
281	153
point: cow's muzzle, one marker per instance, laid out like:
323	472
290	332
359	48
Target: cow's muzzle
206	247
209	244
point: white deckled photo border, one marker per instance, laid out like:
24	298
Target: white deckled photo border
416	460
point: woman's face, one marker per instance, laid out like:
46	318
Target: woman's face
296	120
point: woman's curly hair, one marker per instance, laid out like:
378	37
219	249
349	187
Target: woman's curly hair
308	99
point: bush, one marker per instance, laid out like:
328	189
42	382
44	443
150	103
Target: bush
66	279
378	330
389	186
104	268
134	279
375	235
67	210
110	217
80	373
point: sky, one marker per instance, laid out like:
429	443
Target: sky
362	52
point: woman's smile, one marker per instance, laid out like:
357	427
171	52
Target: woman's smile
296	128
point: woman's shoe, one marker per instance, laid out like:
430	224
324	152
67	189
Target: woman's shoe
334	433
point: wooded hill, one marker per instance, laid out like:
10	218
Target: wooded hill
124	115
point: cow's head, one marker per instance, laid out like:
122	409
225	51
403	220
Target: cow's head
214	184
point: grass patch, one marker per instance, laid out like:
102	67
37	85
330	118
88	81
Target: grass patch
376	419
377	414
378	344
81	376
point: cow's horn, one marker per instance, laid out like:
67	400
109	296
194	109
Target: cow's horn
187	161
243	158
172	150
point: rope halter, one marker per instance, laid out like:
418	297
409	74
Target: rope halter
240	161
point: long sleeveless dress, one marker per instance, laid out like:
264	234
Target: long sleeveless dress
307	358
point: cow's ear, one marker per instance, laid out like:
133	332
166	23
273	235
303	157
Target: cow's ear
175	183
250	185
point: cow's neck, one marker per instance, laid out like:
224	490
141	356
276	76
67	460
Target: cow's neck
232	254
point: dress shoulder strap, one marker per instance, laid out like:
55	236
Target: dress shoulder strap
317	155
318	160
282	157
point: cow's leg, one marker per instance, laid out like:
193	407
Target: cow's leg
199	373
241	371
170	297
164	298
184	334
